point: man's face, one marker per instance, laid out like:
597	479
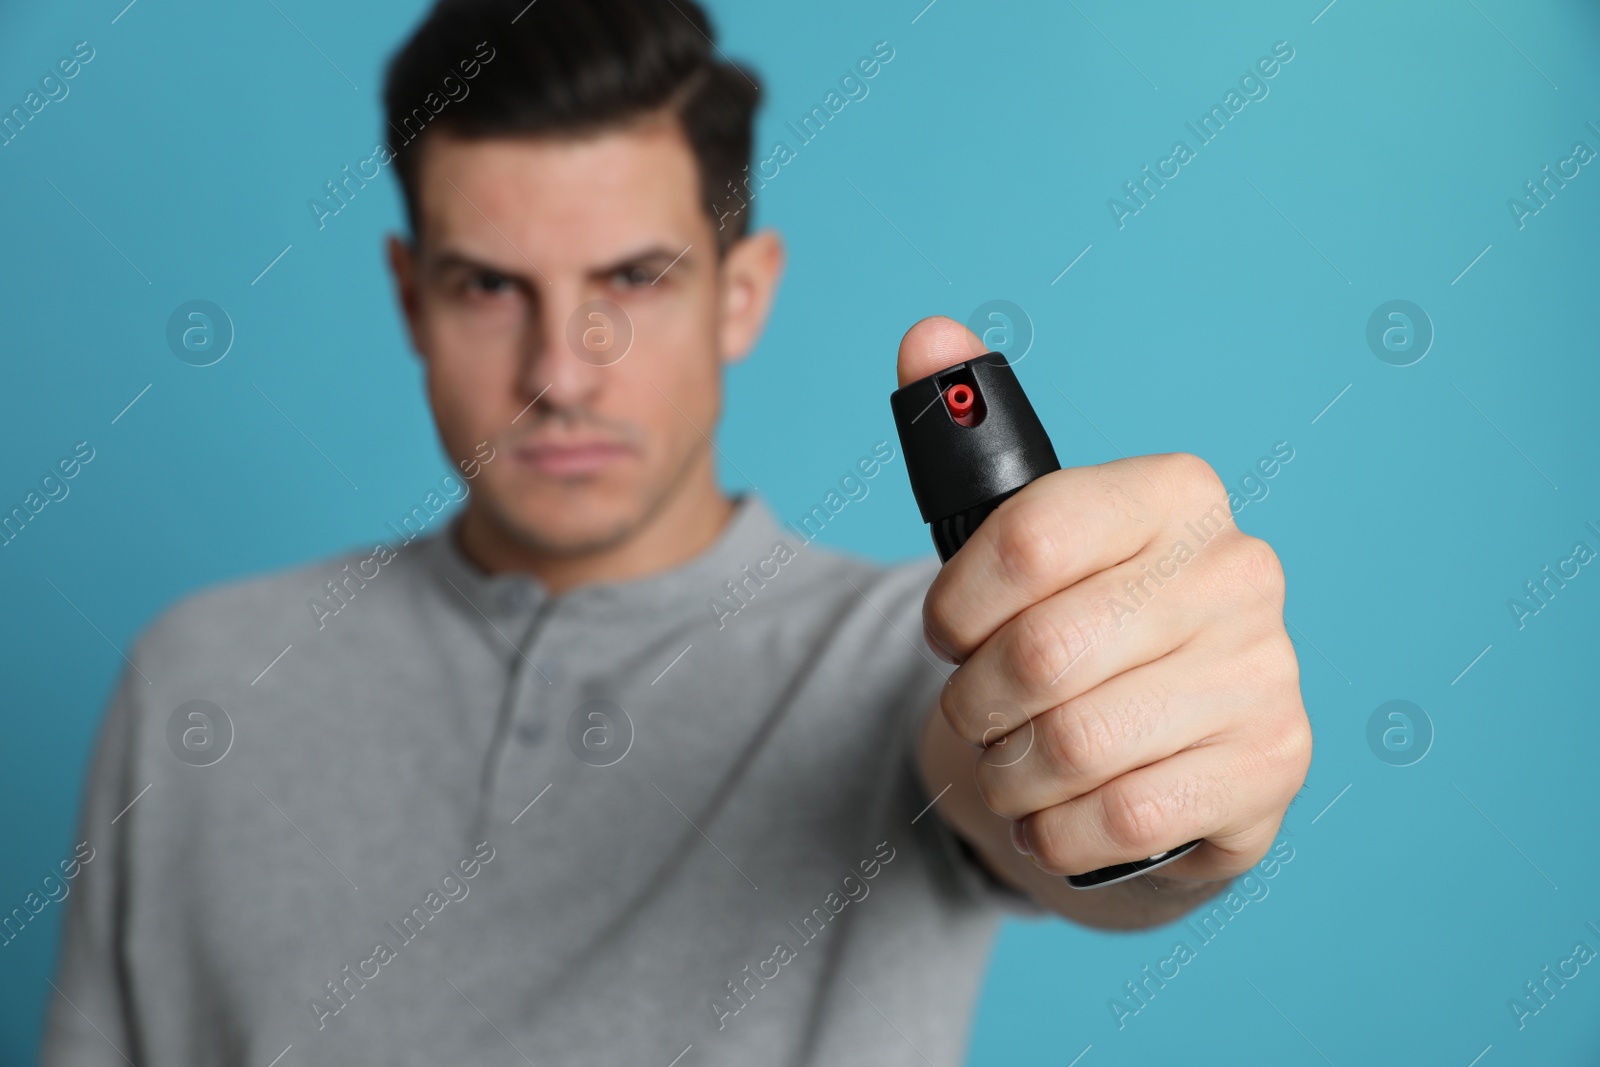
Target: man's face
569	304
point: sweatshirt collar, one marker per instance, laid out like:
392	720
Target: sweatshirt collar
749	535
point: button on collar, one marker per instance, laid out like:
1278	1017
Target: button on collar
508	594
516	595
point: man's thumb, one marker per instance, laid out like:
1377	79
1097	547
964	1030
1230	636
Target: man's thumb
934	344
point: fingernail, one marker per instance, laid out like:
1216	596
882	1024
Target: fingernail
1019	838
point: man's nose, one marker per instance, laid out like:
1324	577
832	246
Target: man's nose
570	349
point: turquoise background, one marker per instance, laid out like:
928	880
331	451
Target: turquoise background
1223	318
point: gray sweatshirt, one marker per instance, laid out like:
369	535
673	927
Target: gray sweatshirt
388	809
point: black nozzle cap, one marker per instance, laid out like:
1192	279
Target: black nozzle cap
956	468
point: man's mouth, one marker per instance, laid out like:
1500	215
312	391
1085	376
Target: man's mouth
572	458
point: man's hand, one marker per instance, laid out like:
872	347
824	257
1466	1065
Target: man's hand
1125	683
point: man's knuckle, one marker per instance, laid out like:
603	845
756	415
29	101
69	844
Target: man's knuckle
1288	746
1273	662
1254	571
1042	646
1298	759
1266	568
1028	546
1193	478
1076	741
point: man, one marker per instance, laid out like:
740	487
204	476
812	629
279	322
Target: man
614	768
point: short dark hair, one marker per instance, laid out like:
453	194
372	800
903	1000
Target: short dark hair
572	67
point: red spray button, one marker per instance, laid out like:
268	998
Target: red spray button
960	400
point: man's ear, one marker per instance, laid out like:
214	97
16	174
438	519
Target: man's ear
751	270
403	266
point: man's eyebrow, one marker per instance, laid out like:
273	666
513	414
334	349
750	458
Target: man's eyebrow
449	259
659	257
656	259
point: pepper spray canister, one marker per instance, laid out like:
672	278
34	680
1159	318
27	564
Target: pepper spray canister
970	440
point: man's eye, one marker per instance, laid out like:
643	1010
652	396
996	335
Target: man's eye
489	283
629	277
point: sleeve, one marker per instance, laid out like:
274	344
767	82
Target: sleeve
952	856
88	1023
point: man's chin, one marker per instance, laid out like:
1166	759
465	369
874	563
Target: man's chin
566	529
